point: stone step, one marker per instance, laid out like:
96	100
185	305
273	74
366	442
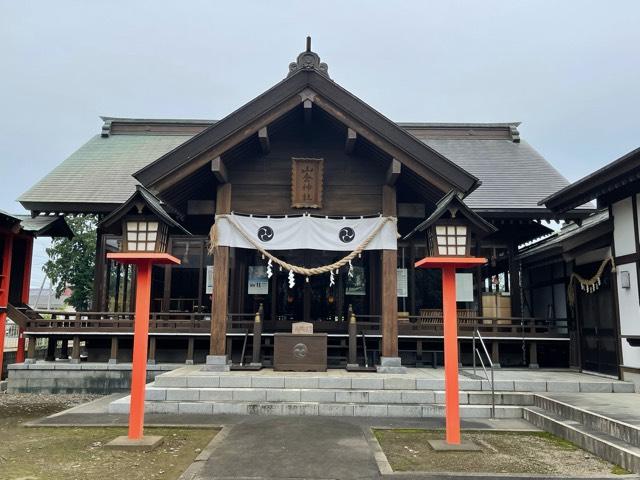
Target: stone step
622	431
121	406
380	382
600	444
328	395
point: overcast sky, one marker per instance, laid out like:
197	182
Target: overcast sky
569	70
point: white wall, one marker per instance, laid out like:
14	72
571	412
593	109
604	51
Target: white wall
628	298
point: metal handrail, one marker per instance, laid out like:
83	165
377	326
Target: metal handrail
491	381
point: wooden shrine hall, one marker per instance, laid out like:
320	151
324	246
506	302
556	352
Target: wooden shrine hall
307	209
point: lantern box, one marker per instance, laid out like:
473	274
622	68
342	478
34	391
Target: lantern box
144	234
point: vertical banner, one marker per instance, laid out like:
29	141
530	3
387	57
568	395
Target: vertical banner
402	283
464	287
209	280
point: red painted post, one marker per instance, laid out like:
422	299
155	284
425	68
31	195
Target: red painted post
5	275
140	342
450	320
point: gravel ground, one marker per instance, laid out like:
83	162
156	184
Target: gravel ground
502	452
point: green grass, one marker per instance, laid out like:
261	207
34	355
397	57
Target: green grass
618	470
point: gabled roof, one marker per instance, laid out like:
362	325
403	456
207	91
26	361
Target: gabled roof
153	203
308	80
41	226
623	171
452	201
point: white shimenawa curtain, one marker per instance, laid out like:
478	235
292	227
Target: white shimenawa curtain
306	232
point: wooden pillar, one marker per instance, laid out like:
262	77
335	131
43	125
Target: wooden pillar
190	350
151	359
113	357
26	283
533	355
52	344
352	361
75	350
257	337
220	295
495	353
388	273
31	350
479	282
514	284
5	274
64	349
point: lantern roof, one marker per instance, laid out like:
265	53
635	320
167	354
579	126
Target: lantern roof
453	204
141	199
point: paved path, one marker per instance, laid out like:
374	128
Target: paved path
624	407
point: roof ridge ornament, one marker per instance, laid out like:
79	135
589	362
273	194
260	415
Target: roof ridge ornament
308	60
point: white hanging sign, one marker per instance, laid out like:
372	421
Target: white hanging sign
258	280
306	232
464	287
209	284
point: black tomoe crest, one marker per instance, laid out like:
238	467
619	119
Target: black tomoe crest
265	233
346	234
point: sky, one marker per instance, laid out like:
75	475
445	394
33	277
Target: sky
569	70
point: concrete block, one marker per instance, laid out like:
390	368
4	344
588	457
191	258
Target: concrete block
18	366
264	409
555	386
249	395
463	397
334	382
182	394
42	366
385	396
300	409
509	412
399	383
42	383
145	444
235	381
429	384
169	381
119	408
155	394
212	395
96	366
596	387
475	411
370	410
468	384
624	387
195	408
267	382
290	395
418	396
317	396
352	396
227	408
203	381
301	382
502	386
433	411
367	383
161	407
335	410
413	411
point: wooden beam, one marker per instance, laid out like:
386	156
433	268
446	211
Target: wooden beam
350	143
263	136
393	172
308	108
219	169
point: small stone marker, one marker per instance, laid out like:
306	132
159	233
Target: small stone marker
146	443
302	328
443	446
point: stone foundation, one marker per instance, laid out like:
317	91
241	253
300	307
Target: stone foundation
64	377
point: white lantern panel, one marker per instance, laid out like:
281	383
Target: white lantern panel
142	226
131	236
150	247
442	240
153	226
451	230
132	246
461	240
440	230
132	226
442	250
152	236
461	229
142	236
451	250
461	251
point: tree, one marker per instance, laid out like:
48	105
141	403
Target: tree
72	262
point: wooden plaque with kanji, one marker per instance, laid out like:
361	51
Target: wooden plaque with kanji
306	182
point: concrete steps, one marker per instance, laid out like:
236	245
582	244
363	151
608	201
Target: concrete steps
613	440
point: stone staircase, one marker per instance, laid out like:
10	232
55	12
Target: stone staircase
611	439
190	391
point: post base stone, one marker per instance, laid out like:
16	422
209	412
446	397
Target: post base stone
113	361
463	446
391	365
29	361
188	362
146	443
217	363
534	365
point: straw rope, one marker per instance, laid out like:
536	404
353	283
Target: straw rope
308	272
590	285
